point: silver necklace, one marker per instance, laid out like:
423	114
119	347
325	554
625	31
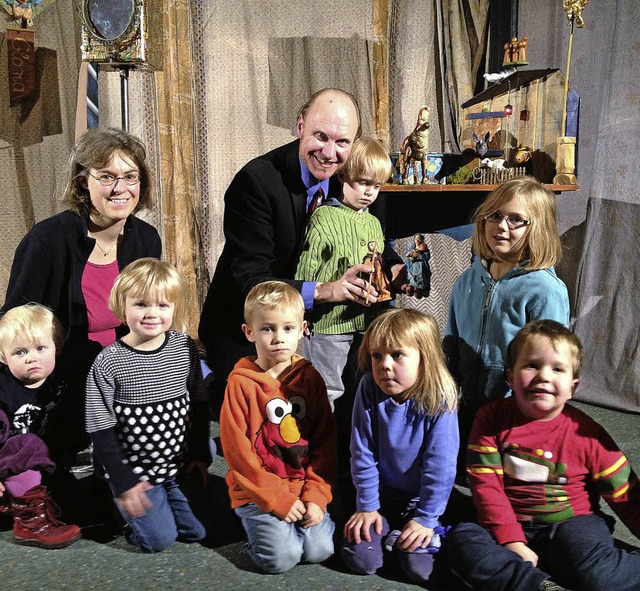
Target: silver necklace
104	252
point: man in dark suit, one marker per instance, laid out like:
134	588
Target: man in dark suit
266	208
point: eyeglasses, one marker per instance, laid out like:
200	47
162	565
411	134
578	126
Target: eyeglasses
108	180
514	222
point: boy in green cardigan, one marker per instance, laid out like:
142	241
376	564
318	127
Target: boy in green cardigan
338	237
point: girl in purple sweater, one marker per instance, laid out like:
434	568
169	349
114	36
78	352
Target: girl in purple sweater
404	445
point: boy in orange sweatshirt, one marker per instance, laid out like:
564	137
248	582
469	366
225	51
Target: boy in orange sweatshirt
278	436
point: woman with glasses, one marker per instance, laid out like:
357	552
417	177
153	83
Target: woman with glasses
511	282
70	261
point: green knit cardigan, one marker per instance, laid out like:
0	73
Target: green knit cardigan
336	239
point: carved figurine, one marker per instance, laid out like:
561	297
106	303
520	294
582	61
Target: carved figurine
498	76
507	54
23	13
418	269
515	52
377	278
482	143
573	8
521	155
415	148
522	49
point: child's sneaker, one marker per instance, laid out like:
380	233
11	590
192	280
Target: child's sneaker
35	521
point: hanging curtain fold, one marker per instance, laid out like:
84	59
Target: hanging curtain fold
179	197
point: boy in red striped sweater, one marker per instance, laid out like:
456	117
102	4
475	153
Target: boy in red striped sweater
537	468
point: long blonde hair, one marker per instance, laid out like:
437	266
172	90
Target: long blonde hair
542	246
149	278
435	390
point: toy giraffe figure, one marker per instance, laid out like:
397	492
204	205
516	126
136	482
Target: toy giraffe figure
415	148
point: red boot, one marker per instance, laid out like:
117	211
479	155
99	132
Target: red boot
35	521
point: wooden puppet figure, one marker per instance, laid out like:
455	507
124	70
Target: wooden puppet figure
378	280
415	149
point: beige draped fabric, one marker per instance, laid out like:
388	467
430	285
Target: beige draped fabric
465	24
435	51
180	201
432	55
380	71
37	134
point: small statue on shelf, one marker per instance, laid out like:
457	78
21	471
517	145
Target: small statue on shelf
418	269
377	278
522	50
23	13
515	52
482	143
415	149
521	155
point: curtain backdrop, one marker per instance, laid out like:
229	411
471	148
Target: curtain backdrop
433	52
180	199
37	134
607	306
600	223
251	92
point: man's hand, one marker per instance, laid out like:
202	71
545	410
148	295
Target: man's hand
134	501
358	527
296	513
351	287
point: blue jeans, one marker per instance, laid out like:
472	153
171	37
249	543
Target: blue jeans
168	520
277	546
577	553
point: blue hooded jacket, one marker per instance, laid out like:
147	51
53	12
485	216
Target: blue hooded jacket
484	316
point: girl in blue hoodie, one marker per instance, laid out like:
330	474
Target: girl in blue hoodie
511	282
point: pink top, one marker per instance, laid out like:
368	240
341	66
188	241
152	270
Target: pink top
97	281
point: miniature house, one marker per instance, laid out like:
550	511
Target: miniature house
535	121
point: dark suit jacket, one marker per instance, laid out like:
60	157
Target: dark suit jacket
264	224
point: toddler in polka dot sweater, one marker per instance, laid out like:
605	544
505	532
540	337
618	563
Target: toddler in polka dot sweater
147	411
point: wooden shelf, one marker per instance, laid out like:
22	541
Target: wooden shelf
471	188
406	209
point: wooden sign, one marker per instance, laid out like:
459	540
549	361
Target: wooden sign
22	65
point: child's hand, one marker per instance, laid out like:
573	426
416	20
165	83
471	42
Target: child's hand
2	489
358	527
313	515
414	536
522	550
296	512
201	468
134	501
